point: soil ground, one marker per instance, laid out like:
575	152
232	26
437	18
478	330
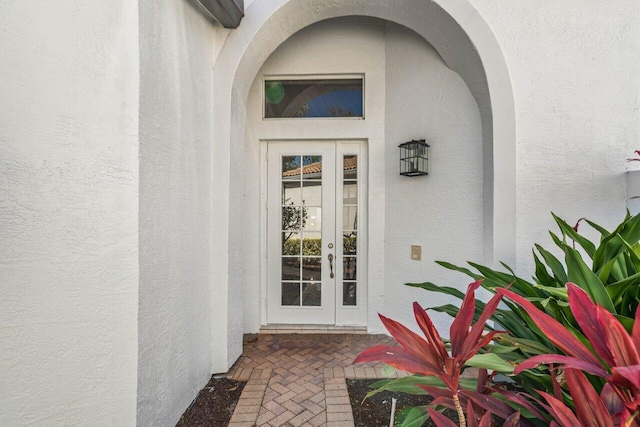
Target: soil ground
376	410
214	405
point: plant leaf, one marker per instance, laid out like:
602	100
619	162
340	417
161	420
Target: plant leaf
428	286
556	266
430	332
439	419
589	407
556	292
460	326
486	420
603	231
512	421
542	275
578	272
490	361
412	343
459	269
411	384
554	330
585	313
567	361
635	332
629	373
472	342
398	358
585	243
611	400
561	412
616	289
623	350
489	403
416	417
611	246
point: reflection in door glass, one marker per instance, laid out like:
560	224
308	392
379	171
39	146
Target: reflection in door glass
312	243
291	294
301	214
311	294
350	193
349	268
349	293
350	218
349	227
290	168
290	243
312	268
350	243
313	218
292	218
350	168
290	268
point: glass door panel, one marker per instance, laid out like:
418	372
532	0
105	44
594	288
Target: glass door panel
300	288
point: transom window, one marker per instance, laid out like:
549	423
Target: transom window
313	98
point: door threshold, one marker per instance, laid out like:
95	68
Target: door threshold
311	329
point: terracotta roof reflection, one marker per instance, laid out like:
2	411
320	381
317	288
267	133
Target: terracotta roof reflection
350	163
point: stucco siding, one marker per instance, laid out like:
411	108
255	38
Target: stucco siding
68	213
576	91
441	212
177	45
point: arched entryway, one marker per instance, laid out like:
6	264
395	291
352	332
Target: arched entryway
465	43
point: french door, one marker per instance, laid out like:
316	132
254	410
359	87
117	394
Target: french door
314	250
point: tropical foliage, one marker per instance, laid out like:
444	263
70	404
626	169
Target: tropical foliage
577	316
614	357
429	357
610	276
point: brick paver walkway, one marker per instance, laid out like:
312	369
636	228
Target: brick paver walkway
299	380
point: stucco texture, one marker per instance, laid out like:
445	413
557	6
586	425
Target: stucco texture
441	212
68	213
410	93
176	95
573	69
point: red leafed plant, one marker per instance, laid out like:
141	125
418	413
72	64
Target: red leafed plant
615	358
428	356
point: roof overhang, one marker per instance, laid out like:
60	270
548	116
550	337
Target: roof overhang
228	13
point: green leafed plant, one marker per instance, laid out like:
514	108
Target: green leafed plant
615	358
608	271
438	370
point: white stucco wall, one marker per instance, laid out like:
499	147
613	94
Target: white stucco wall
574	73
177	46
68	213
466	44
441	212
410	93
349	45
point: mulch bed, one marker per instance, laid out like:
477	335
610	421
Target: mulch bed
376	410
214	405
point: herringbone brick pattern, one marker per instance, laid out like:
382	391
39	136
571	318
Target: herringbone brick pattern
299	380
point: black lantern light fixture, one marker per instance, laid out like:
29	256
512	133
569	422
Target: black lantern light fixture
414	158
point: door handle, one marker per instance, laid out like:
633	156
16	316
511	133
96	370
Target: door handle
331	265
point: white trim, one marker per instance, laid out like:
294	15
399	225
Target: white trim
264	244
301	77
476	56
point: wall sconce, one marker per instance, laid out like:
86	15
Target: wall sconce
414	158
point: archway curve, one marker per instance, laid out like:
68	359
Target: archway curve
466	44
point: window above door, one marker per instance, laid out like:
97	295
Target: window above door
293	97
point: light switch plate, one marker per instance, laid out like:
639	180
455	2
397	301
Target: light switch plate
416	252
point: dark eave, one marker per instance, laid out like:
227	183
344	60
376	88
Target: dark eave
226	12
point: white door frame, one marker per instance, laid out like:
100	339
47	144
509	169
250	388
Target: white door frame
345	315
